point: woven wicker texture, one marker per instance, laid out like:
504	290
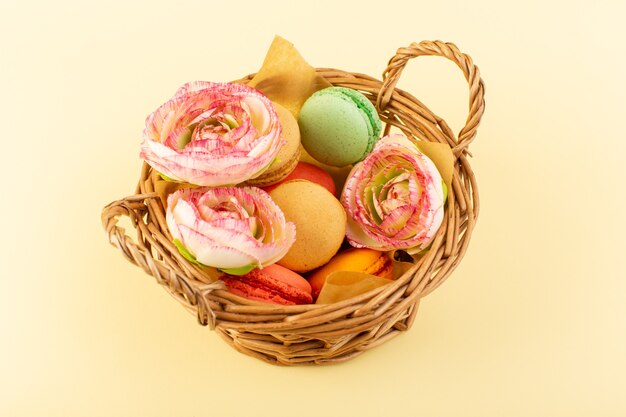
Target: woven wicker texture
321	334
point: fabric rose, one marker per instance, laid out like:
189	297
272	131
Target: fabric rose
394	198
212	134
232	229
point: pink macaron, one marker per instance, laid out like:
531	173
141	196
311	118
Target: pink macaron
273	284
309	172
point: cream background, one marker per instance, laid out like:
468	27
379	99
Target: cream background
533	322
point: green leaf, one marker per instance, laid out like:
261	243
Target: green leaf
240	271
445	192
166	178
185	252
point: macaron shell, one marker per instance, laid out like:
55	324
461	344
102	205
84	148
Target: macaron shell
320	223
383	267
370	112
288	155
334	131
339	126
309	172
273	284
256	293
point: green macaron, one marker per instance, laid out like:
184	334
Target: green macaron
338	126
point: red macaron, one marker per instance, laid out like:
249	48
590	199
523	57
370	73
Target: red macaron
273	284
309	172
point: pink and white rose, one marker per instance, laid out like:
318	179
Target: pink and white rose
232	229
394	198
212	134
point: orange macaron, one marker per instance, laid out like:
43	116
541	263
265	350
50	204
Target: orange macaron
368	261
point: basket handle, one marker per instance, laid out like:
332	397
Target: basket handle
396	64
134	208
139	254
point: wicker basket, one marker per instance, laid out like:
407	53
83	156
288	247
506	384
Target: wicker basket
321	334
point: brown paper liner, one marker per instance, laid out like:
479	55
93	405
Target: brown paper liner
341	285
443	158
286	77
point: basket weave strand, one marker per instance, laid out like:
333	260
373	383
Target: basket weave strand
321	334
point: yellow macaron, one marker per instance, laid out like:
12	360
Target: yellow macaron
320	223
288	155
